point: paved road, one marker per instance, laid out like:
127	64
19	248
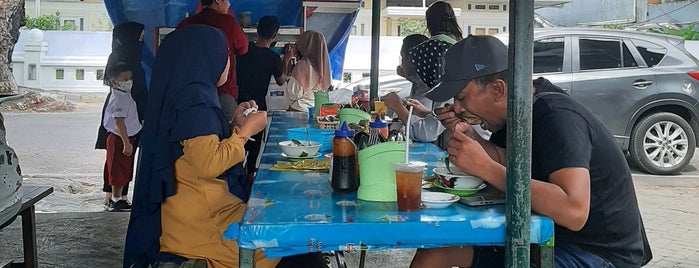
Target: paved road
57	149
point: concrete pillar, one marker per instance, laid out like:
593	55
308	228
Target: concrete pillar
34	51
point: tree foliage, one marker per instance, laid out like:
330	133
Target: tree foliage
48	23
410	26
687	33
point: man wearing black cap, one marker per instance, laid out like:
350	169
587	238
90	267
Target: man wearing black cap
580	178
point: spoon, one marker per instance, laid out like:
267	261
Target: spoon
446	162
308	137
296	142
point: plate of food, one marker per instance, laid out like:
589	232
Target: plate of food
460	191
457	179
300	157
438	200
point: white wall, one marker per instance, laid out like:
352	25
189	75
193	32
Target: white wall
61	50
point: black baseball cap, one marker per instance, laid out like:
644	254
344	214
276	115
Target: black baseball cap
472	57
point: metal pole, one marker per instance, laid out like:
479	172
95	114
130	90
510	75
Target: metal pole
375	34
519	126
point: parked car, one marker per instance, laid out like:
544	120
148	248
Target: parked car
642	86
387	84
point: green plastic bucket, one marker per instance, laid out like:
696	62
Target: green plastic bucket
319	97
351	115
377	175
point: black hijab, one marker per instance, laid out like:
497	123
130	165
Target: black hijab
182	104
126	48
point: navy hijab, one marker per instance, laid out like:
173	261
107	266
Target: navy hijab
182	104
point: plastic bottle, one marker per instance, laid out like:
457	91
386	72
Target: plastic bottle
380	126
344	162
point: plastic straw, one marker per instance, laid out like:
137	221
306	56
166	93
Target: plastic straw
407	134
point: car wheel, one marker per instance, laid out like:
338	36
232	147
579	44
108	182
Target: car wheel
662	143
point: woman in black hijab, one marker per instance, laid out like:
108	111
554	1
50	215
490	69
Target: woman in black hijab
127	41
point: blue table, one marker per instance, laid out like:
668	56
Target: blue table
296	212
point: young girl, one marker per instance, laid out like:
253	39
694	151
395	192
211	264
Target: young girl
121	122
186	193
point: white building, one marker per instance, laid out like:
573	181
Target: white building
86	15
61	60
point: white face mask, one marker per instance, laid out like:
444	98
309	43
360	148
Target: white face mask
124	85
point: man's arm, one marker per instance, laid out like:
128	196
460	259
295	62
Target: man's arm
237	40
280	71
565	199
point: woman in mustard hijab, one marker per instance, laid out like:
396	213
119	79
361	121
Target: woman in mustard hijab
186	193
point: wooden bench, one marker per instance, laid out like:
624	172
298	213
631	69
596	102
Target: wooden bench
31	195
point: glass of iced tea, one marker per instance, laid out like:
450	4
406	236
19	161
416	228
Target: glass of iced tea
409	185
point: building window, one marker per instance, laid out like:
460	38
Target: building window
469	29
493	31
504	7
31	72
99	75
346	77
494	7
469	7
399	33
480	7
365	75
361	29
504	29
354	30
80	74
480	31
70	24
59	74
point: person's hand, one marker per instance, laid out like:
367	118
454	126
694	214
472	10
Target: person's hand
238	116
253	124
128	149
449	120
392	101
467	154
418	109
401	72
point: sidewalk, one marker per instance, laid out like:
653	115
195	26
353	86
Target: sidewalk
95	239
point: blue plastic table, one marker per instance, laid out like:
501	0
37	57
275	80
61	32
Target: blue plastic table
296	212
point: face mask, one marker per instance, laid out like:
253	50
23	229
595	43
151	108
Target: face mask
124	85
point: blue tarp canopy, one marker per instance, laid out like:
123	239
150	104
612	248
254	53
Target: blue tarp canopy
168	13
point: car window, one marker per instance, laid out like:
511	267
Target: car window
604	54
548	55
652	54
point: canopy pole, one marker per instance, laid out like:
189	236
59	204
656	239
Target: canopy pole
375	34
519	126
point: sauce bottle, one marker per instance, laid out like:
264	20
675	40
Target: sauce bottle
344	162
379	126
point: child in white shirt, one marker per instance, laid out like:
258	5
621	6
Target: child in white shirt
121	121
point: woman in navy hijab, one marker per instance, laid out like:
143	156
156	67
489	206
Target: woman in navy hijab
187	192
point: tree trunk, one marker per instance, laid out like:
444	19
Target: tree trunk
11	19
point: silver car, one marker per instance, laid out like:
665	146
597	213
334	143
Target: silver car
642	86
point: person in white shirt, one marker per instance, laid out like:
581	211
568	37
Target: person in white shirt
122	123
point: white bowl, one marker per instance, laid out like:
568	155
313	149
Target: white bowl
438	200
294	150
459	180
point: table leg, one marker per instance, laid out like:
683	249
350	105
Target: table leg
340	257
29	238
246	258
545	256
362	258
